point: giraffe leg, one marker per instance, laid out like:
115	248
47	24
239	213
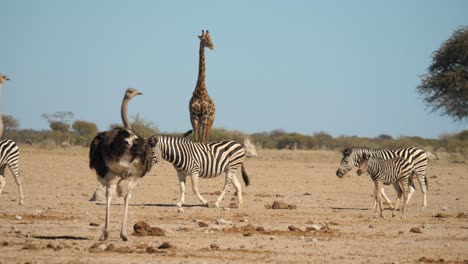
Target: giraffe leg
181	176
227	184
109	194
196	128
207	132
195	189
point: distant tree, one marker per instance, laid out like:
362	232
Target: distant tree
143	127
10	123
59	126
86	130
385	137
445	86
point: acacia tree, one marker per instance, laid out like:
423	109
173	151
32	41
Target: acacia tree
445	86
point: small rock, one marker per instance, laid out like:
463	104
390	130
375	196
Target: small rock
401	232
417	230
166	245
426	226
292	206
314	227
142	228
15	229
314	240
18	217
260	229
202	224
124	250
426	259
96	247
294	229
371	226
30	246
223	222
307	193
180	210
233	205
462	215
110	247
279	205
445	209
214	246
441	215
247	234
93	224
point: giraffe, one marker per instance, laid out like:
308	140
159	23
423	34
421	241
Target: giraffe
201	106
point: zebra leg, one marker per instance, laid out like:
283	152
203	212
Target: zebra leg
109	194
379	207
227	183
195	189
2	179
404	186
123	231
181	176
15	171
387	200
399	193
422	183
237	185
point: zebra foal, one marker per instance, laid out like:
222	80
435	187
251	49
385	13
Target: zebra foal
201	160
394	171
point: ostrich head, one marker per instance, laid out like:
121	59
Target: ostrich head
205	40
3	78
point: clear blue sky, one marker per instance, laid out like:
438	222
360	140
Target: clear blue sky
343	67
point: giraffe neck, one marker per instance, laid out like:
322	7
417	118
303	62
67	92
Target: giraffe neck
200	89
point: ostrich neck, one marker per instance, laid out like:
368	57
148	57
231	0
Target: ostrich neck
123	113
1	116
201	88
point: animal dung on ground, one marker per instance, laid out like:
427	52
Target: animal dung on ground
142	228
281	205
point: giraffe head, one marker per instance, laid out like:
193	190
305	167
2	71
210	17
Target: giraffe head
3	78
205	40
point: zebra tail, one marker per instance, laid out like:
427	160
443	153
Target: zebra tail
186	134
245	177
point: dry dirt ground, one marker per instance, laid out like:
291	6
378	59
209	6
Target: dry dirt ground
58	224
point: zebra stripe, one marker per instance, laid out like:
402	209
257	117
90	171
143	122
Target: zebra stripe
9	156
416	157
201	160
394	171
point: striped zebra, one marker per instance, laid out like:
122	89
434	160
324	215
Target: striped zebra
9	155
201	160
415	156
394	171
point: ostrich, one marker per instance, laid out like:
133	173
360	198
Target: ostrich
120	158
9	155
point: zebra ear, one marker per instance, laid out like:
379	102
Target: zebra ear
152	141
347	151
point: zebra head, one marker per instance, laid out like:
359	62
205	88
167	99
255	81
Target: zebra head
347	163
155	144
362	164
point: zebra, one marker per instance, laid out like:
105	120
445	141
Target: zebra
415	156
9	156
201	160
394	171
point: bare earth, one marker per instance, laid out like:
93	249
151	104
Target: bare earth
57	224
